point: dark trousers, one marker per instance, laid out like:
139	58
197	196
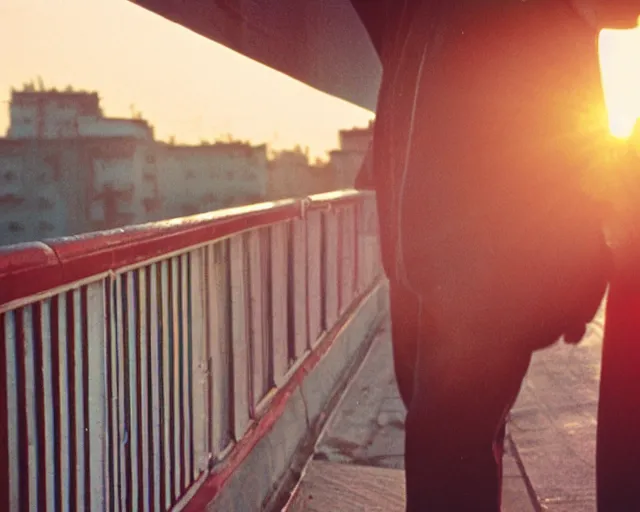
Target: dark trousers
457	403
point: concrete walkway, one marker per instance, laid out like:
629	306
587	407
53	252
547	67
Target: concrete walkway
549	456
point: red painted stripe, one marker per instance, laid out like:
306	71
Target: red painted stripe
262	427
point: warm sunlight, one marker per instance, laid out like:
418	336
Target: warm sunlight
620	64
184	84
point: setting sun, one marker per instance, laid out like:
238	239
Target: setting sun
620	65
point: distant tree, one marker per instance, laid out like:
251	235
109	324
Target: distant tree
172	140
41	86
225	138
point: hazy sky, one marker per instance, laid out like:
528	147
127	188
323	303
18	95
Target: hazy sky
182	83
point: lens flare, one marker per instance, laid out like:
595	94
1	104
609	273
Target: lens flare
619	52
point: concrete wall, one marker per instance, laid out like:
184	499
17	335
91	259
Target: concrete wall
50	114
57	187
91	126
43	191
356	139
291	175
196	179
345	166
346	161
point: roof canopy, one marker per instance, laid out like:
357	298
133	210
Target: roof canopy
319	42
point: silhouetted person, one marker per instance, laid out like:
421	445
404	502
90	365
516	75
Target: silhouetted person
490	120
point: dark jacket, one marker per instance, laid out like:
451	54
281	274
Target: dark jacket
490	116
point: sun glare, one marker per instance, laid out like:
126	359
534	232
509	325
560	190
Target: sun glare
620	65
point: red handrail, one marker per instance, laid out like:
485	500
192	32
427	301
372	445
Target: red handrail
33	268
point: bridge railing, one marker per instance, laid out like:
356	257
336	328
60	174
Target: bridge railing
136	363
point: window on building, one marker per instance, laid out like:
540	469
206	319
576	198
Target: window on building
10	176
209	198
45	203
151	159
151	204
53	161
46	227
190	174
11	199
16	227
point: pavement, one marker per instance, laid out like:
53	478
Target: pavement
549	460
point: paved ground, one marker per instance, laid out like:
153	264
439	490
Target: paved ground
550	447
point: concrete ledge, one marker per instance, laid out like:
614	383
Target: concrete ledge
261	474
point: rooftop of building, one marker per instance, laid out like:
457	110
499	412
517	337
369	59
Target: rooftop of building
216	147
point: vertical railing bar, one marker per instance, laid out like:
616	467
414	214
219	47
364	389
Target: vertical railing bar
25	337
279	301
78	365
5	389
115	393
198	385
239	346
213	329
176	387
155	349
40	461
49	360
218	321
290	276
65	335
123	393
323	273
15	408
109	482
55	345
228	346
132	398
85	467
187	407
304	280
167	369
264	322
248	319
268	298
144	464
207	381
253	310
72	368
96	357
342	246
